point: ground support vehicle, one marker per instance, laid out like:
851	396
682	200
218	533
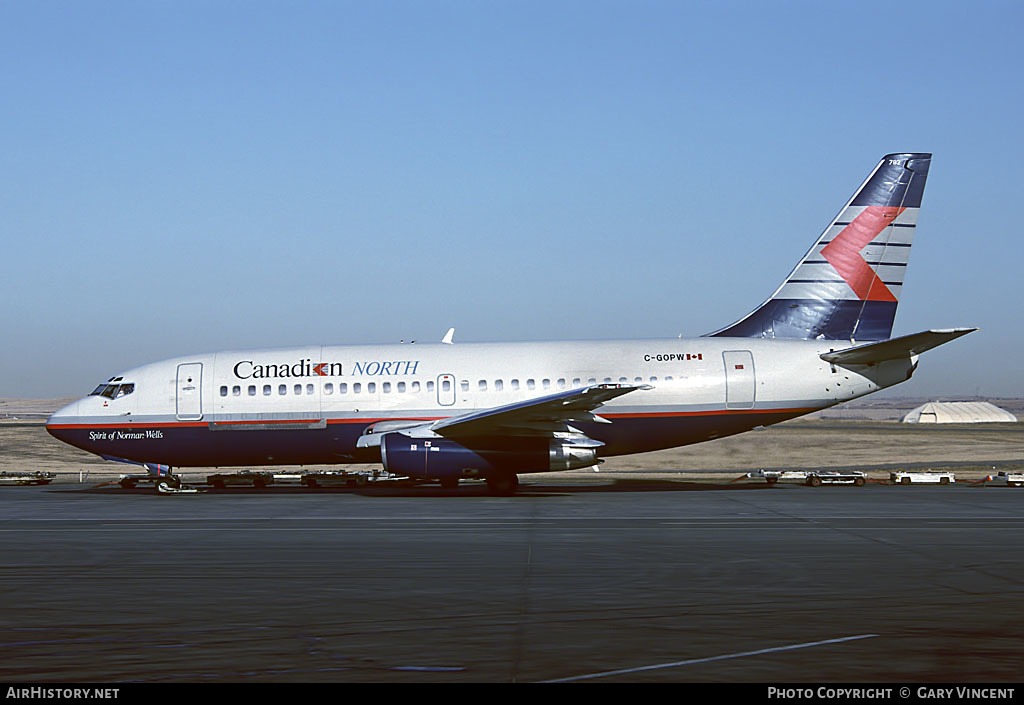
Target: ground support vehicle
246	478
811	478
26	478
1010	479
907	477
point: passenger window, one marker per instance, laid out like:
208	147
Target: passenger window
668	379
446	386
639	380
356	388
343	388
592	380
607	380
282	389
465	385
236	391
266	390
224	391
546	383
530	384
371	387
252	390
515	385
577	382
309	389
298	389
430	386
482	385
386	387
401	387
328	388
498	385
415	386
622	380
561	383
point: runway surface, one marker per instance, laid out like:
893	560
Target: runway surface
631	581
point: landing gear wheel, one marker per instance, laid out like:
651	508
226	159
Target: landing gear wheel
814	481
128	483
858	482
503	485
449	483
167	485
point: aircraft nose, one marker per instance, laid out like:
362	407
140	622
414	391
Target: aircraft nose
63	415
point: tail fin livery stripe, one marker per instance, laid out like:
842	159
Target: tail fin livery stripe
849	282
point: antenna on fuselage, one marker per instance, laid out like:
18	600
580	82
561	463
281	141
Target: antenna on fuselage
447	339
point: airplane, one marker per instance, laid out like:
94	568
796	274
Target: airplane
449	411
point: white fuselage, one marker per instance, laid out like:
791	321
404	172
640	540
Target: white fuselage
308	405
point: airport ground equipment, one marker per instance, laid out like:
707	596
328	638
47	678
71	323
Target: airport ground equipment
247	478
907	477
811	478
130	482
312	479
26	478
1010	479
346	478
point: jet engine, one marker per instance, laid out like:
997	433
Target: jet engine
443	458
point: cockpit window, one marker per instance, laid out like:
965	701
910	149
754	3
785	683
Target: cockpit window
113	391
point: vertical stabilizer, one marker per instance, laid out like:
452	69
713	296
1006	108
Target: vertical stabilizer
849	283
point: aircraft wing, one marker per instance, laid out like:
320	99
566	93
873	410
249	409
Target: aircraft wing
542	416
896	348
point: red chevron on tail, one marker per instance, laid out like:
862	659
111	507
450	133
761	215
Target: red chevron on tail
843	253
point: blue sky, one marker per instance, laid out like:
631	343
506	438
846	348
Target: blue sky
182	177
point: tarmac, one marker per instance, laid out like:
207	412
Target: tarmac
594	580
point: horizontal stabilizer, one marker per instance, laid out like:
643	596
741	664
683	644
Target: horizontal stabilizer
895	349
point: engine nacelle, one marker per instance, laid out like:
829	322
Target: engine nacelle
437	458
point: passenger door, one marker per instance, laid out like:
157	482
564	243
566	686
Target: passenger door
190	392
739	379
